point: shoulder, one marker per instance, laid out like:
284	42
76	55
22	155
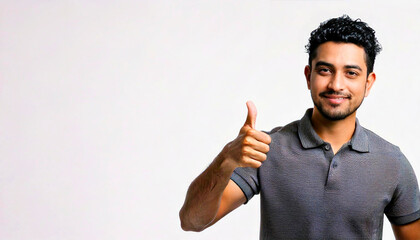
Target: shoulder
377	144
284	136
289	128
387	152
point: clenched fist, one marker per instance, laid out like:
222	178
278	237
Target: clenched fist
250	147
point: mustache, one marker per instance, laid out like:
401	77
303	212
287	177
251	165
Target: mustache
335	94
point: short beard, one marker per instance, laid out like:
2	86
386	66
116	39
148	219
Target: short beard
337	115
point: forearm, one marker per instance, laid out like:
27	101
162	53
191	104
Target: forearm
204	204
204	194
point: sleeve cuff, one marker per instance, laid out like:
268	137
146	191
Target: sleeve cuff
404	219
243	185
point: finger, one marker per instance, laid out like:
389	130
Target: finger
252	114
259	136
255	144
261	147
254	154
249	162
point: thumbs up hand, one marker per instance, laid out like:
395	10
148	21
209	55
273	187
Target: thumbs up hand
250	146
252	115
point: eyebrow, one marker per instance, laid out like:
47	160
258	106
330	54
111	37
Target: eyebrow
322	63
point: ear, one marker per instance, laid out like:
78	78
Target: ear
308	76
369	82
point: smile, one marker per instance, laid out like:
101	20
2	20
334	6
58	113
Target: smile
332	96
335	100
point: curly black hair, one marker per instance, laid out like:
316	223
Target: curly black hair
344	29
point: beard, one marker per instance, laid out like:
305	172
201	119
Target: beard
334	113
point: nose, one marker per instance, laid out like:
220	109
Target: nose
336	82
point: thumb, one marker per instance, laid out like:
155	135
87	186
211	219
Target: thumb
252	114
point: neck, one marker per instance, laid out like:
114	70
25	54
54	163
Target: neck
337	132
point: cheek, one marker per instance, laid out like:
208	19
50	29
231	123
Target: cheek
358	90
314	91
318	85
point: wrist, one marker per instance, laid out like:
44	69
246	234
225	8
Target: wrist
224	162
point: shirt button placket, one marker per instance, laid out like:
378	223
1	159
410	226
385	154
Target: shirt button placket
331	181
332	175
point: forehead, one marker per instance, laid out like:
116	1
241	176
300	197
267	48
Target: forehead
340	54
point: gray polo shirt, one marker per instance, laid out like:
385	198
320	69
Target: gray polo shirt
307	192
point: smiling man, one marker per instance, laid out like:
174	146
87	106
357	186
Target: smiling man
324	176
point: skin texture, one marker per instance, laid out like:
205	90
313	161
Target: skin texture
338	71
409	231
212	194
338	82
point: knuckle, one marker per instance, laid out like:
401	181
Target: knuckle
245	151
251	132
247	140
245	162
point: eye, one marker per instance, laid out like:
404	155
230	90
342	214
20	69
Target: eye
353	73
323	71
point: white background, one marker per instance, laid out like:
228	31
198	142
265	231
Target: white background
109	109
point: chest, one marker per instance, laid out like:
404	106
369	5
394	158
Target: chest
319	182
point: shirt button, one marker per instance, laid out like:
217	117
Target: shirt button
327	147
334	165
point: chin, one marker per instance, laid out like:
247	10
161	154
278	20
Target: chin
335	117
336	114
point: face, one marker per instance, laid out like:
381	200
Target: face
338	80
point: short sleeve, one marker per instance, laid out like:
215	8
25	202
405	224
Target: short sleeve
404	206
247	180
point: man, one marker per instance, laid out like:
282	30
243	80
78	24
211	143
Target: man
325	176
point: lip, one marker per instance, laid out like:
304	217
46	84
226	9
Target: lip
336	99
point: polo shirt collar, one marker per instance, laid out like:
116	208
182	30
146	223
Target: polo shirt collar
310	139
359	141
